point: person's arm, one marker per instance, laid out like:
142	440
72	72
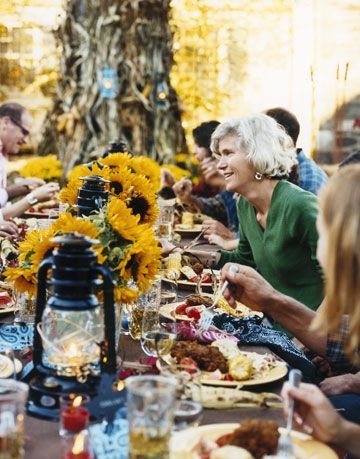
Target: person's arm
249	287
22	187
342	384
315	415
227	244
43	193
215	228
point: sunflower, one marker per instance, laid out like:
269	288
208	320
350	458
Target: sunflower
125	294
45	167
34	248
176	171
120	181
141	199
117	160
148	167
143	260
78	171
68	195
23	279
123	221
68	223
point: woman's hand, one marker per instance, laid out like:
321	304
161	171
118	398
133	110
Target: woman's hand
227	244
183	189
9	230
46	192
313	413
247	286
167	178
213	227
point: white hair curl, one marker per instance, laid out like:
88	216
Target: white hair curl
268	148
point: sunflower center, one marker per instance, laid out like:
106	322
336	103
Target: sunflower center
116	188
139	205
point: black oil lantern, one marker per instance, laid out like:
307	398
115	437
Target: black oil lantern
74	341
92	196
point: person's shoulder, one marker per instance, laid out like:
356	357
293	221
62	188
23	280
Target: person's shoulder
294	196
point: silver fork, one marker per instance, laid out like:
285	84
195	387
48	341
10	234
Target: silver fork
208	314
285	445
194	241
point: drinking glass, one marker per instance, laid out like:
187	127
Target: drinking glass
165	219
150	401
25	308
157	334
188	405
13	396
168	292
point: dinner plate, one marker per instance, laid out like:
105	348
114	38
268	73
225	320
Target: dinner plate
196	229
167	311
37	215
274	374
7	310
182	443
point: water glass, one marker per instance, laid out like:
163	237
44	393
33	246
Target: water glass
13	396
150	401
25	308
165	220
168	292
188	405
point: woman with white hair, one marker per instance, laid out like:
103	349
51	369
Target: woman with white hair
277	227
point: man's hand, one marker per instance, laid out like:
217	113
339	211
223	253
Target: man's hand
214	227
210	172
343	384
9	230
246	286
22	186
46	192
183	189
167	178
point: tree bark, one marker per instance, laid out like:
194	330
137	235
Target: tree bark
132	37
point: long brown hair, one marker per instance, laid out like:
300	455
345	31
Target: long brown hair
340	211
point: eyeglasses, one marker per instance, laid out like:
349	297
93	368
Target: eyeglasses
24	131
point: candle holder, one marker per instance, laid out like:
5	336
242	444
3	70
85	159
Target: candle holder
77	447
73	341
92	196
74	416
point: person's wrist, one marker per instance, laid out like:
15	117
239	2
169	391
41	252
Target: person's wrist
31	199
342	435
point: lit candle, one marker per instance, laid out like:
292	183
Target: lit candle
75	418
78	450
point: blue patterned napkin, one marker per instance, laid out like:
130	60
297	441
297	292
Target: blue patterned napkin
16	336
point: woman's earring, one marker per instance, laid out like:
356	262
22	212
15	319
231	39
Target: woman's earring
258	176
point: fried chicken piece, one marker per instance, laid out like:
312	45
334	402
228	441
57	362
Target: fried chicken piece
257	436
207	357
194	300
198	267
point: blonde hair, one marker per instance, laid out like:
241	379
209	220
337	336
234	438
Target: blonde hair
268	149
340	211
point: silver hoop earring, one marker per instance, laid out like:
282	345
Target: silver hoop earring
258	176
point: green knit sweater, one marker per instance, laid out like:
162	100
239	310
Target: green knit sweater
285	252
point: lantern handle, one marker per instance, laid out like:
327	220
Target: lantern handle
44	267
108	357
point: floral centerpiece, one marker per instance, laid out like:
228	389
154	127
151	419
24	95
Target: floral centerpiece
47	168
124	227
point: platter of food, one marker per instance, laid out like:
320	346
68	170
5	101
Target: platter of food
223	364
6	303
192	306
252	439
190	224
45	209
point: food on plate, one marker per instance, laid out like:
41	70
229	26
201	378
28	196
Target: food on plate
240	367
173	266
257	437
188	331
187	220
228	348
230	452
227	397
208	358
5	300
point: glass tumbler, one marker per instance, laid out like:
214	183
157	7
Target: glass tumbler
150	402
13	396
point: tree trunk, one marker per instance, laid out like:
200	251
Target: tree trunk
133	38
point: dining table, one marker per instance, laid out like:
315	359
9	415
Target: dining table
42	440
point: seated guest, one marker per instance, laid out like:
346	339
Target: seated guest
334	330
15	126
310	176
277	228
221	207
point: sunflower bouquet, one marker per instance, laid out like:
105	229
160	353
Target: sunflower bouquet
47	168
124	228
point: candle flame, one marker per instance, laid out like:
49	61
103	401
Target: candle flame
79	444
73	349
120	386
77	401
